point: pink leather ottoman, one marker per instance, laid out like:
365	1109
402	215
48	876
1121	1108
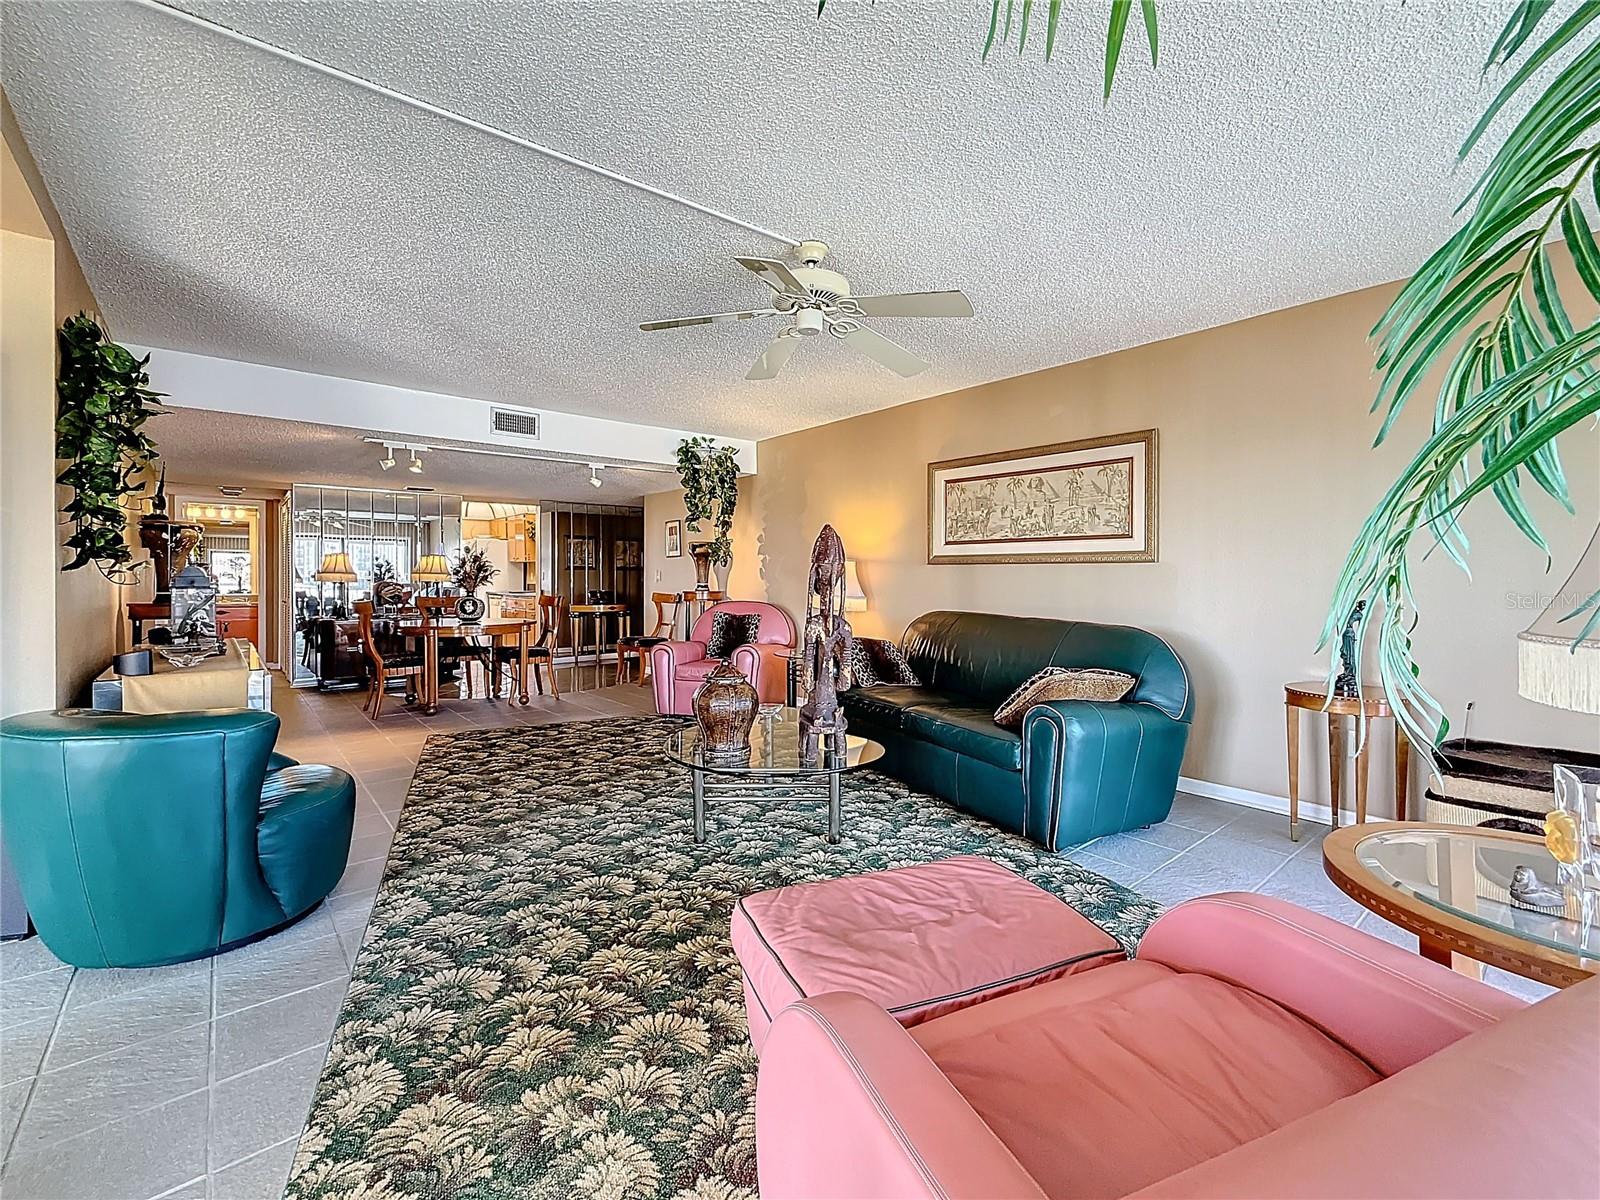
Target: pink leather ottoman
920	941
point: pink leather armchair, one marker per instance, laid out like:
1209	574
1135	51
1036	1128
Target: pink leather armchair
1252	1049
678	668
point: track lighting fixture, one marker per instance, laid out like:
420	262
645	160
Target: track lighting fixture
594	474
387	461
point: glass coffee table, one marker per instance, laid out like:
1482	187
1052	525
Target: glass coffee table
776	768
1449	885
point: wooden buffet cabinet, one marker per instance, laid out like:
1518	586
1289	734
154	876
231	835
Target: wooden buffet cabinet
233	620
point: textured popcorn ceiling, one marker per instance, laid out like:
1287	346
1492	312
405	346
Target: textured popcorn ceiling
232	204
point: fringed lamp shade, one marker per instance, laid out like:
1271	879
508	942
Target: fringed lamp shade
1554	666
431	568
336	568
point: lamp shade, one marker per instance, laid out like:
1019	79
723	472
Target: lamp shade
336	568
1554	665
431	568
855	600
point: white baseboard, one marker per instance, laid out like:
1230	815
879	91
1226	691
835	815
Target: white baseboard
1260	800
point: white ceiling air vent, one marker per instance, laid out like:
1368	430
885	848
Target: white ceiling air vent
519	423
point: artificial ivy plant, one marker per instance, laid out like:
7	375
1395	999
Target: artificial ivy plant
710	477
102	403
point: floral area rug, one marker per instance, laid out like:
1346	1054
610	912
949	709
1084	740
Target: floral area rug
546	1004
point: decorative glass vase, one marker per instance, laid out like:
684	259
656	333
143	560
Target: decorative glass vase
725	707
700	552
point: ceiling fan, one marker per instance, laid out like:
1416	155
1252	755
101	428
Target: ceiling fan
817	300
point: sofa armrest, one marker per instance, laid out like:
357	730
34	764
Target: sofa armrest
1509	1112
664	660
679	652
1391	1007
305	819
848	1105
1091	769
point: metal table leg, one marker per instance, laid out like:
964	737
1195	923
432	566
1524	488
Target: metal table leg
699	804
833	807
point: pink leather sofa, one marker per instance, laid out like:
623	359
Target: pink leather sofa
1252	1049
677	668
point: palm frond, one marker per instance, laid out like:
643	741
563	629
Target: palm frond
1518	371
1001	23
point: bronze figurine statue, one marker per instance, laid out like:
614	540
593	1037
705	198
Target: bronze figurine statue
825	645
1348	682
170	542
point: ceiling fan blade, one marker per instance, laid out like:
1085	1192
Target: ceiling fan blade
915	304
774	356
880	349
710	319
776	275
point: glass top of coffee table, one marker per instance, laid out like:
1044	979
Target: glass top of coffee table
1469	875
775	749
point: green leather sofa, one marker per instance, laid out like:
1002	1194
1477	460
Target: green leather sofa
1077	770
141	840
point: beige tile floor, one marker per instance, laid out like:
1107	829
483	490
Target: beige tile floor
194	1081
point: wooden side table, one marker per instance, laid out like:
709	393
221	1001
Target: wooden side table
1313	695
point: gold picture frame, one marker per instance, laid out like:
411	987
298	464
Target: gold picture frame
1093	500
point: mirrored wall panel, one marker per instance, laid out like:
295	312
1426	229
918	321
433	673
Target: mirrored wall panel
345	542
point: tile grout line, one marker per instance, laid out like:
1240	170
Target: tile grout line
211	1074
33	1082
1206	835
186	1183
189	1024
244	1158
149	1108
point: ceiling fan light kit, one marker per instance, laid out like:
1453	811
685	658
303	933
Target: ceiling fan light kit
817	300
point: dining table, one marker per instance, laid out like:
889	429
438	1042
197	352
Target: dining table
427	632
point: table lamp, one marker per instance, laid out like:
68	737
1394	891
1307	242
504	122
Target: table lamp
855	600
431	568
1554	665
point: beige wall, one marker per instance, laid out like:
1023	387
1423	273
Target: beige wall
81	632
27	520
1266	471
663	574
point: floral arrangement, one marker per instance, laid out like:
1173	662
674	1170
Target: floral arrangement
472	570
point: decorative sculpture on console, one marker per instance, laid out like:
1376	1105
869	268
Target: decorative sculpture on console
825	645
169	541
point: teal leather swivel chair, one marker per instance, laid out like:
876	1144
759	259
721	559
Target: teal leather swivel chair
1076	770
140	840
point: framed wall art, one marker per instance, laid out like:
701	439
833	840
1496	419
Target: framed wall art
674	539
1092	500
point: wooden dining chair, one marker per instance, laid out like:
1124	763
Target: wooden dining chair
541	650
459	652
391	661
638	645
